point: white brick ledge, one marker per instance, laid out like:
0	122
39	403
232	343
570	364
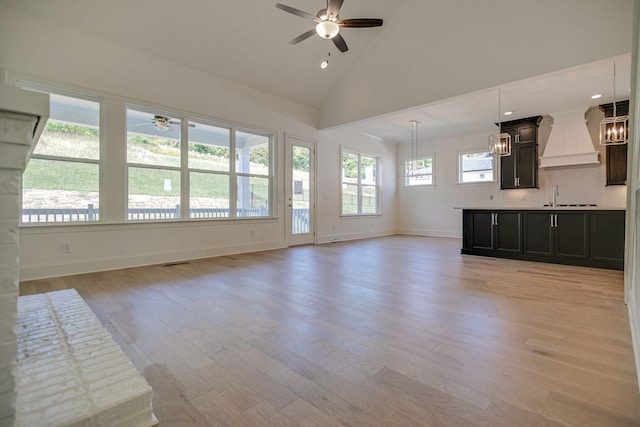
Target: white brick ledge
70	372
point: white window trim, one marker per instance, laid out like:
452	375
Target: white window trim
433	172
459	168
360	153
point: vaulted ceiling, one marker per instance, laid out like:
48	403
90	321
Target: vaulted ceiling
438	61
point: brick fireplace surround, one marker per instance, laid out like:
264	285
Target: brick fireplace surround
60	367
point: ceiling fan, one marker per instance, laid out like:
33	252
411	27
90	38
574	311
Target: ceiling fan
328	23
163	123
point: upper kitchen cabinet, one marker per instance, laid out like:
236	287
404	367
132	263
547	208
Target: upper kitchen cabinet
520	169
616	154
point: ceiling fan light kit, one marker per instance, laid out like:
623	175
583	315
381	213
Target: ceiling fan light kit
328	23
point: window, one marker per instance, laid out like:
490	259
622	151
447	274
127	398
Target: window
153	166
476	166
418	172
359	184
229	172
62	180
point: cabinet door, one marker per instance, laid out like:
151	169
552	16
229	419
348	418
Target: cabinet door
527	134
482	231
527	165
538	233
571	235
507	232
508	164
617	164
607	237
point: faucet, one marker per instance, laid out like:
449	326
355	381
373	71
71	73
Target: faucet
554	203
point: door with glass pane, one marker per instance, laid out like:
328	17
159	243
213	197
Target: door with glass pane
300	198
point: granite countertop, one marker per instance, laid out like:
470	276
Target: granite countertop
543	208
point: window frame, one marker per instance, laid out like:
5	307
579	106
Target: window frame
359	183
406	176
494	165
52	89
185	170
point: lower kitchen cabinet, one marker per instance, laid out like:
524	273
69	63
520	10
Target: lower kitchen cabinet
491	232
593	238
607	231
558	234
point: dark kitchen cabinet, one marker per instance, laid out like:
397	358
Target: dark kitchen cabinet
590	238
559	234
489	232
607	233
520	169
616	162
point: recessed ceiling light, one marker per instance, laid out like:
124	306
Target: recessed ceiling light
596	96
324	64
508	113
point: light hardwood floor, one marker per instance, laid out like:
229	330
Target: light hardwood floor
396	331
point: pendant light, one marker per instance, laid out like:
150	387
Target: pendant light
414	148
500	143
614	130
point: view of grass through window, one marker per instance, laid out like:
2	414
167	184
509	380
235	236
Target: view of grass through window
62	179
359	184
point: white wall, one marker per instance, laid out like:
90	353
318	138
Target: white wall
51	54
430	210
463	46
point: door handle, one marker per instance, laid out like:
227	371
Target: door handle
495	219
556	220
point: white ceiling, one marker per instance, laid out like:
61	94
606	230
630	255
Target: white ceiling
247	42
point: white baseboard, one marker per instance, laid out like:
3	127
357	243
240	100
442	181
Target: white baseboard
82	266
453	234
330	238
635	331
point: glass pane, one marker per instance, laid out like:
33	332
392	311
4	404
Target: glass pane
349	199
349	168
209	195
301	186
73	130
59	191
153	194
152	139
252	154
253	196
209	147
368	170
476	167
419	172
369	199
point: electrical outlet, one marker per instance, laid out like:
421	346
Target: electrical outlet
65	247
524	197
252	234
491	197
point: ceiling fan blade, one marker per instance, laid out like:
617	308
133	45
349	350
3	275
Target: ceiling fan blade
295	11
334	7
340	43
303	36
360	23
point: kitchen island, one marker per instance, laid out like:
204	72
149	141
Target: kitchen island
588	236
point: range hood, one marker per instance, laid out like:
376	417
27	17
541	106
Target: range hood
570	142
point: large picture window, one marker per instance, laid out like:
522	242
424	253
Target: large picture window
476	166
62	180
359	184
229	172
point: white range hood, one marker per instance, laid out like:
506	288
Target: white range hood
570	142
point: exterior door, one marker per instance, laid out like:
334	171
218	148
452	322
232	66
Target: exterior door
301	195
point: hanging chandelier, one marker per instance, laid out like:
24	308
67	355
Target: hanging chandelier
412	170
500	143
614	130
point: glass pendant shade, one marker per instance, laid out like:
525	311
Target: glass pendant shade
500	144
327	29
614	130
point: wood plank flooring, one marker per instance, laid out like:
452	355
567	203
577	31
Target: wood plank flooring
396	331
